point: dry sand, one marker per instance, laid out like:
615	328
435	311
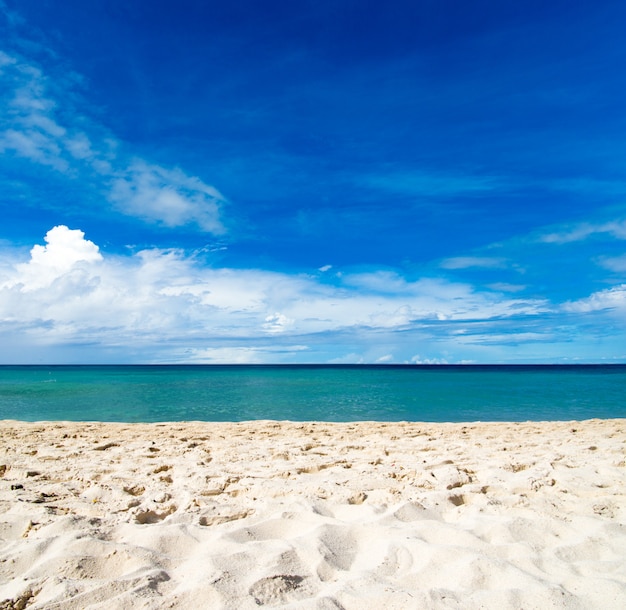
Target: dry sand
313	515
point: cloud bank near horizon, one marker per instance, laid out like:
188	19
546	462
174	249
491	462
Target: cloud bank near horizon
173	305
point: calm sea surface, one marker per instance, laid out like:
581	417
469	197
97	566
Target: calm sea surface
299	393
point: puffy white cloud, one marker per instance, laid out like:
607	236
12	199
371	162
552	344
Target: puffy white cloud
64	250
172	307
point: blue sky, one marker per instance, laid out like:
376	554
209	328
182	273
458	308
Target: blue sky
339	181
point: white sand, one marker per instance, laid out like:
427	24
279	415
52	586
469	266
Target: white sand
314	515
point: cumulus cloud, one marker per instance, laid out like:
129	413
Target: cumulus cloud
68	292
33	128
64	250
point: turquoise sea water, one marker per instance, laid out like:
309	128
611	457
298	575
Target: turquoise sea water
300	393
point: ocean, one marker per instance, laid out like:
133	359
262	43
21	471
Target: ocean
312	392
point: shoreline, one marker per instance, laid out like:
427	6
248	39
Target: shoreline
313	514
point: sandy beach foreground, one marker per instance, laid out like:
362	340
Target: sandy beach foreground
313	515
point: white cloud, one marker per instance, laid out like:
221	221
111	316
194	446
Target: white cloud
64	250
617	263
5	60
348	359
386	359
505	287
465	262
238	354
167	196
166	304
610	299
30	128
79	146
579	232
277	323
35	146
417	359
33	128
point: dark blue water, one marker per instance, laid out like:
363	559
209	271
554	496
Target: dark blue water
300	393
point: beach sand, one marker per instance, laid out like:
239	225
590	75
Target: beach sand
313	515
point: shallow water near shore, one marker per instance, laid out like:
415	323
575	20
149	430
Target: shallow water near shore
304	393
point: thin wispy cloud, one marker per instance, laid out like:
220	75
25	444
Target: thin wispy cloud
617	263
33	129
166	196
612	188
431	184
467	262
582	231
505	287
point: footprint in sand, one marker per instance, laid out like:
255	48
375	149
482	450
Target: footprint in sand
414	511
135	490
219	519
279	589
152	516
285	528
337	547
